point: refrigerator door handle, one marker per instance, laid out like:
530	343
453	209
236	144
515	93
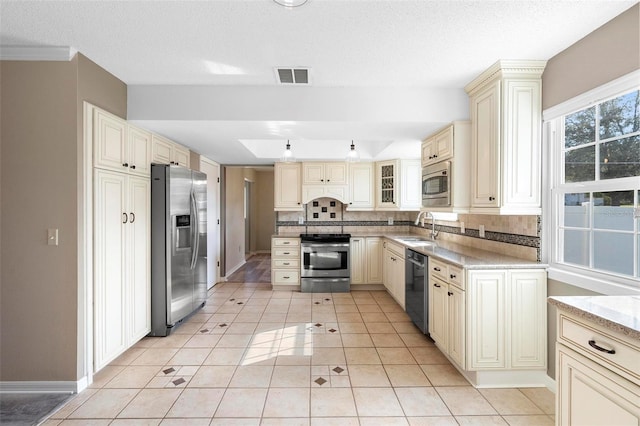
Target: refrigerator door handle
194	227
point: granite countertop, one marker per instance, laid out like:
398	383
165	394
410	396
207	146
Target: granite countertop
463	256
469	257
617	313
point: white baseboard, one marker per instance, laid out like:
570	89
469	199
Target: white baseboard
234	269
44	387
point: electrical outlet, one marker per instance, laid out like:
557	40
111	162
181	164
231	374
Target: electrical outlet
390	221
462	230
300	220
481	231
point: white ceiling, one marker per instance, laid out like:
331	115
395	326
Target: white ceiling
383	73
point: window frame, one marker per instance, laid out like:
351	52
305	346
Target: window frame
598	281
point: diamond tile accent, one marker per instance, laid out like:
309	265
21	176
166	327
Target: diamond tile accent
169	370
320	381
316	303
223	325
332	330
240	303
338	370
205	330
179	381
318	324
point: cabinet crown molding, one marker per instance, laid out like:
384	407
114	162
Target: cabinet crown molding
507	68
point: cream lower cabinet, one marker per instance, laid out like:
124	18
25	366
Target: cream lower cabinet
490	323
366	260
447	313
597	374
122	287
393	271
507	319
285	262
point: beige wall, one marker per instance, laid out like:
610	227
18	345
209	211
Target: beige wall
41	130
609	52
266	216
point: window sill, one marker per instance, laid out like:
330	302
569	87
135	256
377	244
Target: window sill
614	286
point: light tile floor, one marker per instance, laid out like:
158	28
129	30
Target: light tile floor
253	356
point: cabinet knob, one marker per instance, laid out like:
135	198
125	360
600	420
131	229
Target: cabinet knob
321	180
437	285
492	198
286	263
298	203
328	180
436	269
132	217
452	276
125	219
286	278
286	252
126	164
449	293
435	156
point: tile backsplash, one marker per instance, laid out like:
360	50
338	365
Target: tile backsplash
518	236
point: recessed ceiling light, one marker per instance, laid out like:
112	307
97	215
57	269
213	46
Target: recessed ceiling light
290	3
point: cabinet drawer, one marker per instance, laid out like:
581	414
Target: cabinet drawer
456	276
284	252
284	277
286	242
396	248
285	263
439	269
586	337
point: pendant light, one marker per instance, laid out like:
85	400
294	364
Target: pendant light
290	3
287	155
353	155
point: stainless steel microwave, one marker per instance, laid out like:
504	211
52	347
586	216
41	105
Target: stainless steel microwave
436	185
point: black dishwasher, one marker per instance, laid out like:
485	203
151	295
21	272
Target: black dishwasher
416	294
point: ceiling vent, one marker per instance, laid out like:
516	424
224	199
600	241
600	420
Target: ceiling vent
292	75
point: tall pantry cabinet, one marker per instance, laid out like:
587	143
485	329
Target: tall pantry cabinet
121	224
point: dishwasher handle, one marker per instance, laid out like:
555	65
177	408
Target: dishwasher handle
415	262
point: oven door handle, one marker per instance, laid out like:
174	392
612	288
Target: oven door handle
305	245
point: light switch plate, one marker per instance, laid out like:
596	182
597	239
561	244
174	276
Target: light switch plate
52	236
481	231
300	220
390	221
462	229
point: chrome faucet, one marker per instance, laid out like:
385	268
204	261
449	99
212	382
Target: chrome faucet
434	233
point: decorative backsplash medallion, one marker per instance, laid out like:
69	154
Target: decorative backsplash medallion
324	210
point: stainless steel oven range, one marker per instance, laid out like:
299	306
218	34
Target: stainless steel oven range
325	263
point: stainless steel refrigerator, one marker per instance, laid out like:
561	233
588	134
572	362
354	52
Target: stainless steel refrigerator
178	245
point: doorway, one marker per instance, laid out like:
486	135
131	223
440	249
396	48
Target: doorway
247	218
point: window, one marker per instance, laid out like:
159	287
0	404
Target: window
593	207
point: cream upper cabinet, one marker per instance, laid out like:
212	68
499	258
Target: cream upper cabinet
438	147
325	180
120	146
165	151
361	183
506	142
287	187
335	173
398	185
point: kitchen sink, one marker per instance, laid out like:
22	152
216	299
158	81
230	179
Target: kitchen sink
417	241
